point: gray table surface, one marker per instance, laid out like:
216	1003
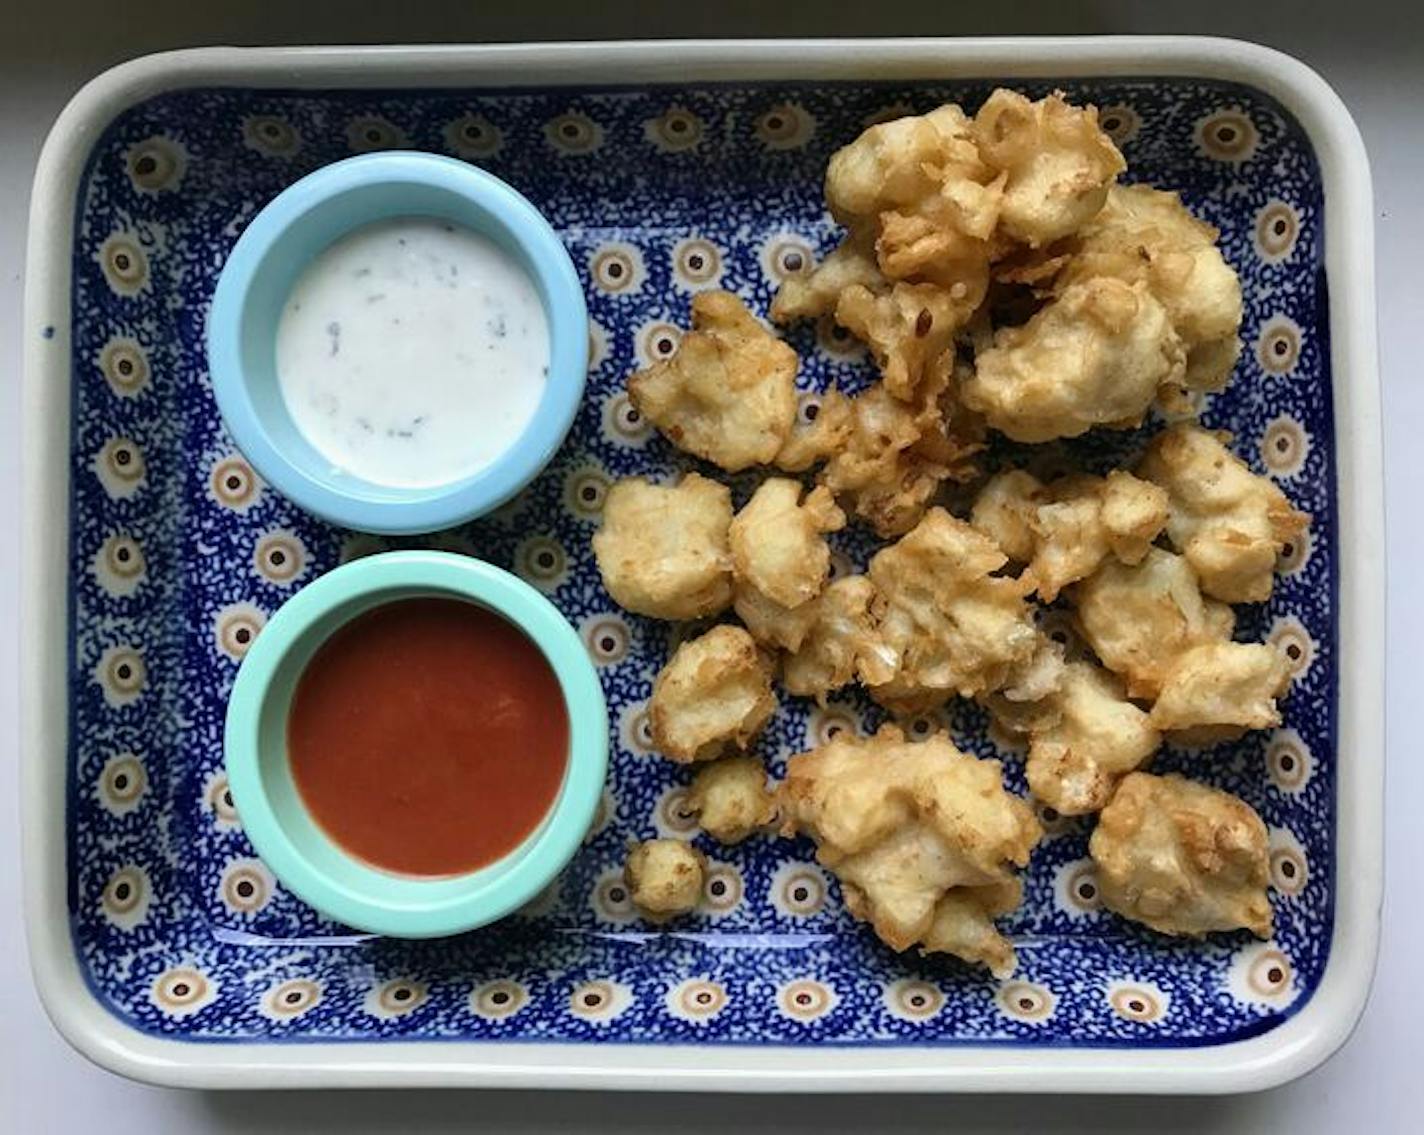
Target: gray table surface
1371	53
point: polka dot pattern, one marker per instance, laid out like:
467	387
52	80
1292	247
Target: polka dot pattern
181	553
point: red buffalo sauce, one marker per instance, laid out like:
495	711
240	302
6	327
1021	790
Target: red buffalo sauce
428	736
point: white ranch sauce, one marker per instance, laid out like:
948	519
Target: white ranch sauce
412	352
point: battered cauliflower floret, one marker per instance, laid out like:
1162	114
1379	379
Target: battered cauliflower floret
777	542
905	826
1182	858
1005	509
1097	736
731	800
1064	530
907	328
664	878
1094	356
728	394
1229	523
715	692
918	188
821	429
898	454
781	560
1140	619
841	643
951	625
1222	689
662	550
1058	161
817	293
963	925
1082	520
1148	235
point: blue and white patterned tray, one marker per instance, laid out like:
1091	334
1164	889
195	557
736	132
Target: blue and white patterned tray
179	554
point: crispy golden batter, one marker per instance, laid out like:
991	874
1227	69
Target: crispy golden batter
841	643
1064	530
777	542
1140	619
963	925
1005	510
664	878
662	550
899	453
904	825
781	560
1221	689
1182	858
907	327
1229	523
951	624
1083	520
1058	162
1094	356
1148	235
714	692
818	432
730	799
817	293
1098	736
728	394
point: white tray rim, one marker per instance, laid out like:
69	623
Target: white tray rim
1297	1046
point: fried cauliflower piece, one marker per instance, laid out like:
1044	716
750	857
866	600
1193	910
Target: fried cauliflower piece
781	559
1094	356
1059	163
907	327
1145	234
1005	509
662	550
1221	689
714	692
899	453
730	799
1140	619
963	925
951	625
1064	530
728	394
664	878
918	189
1083	520
905	826
777	542
841	643
1182	858
1097	738
819	431
816	293
1229	523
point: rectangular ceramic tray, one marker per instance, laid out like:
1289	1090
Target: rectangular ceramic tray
163	950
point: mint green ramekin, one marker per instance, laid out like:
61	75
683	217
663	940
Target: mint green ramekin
302	856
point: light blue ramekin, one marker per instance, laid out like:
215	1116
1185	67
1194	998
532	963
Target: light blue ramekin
302	221
307	861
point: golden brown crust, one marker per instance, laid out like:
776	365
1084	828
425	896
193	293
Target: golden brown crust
664	878
662	549
731	800
905	825
714	693
1182	858
950	623
728	394
1228	522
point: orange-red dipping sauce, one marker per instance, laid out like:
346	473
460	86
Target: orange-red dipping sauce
428	736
